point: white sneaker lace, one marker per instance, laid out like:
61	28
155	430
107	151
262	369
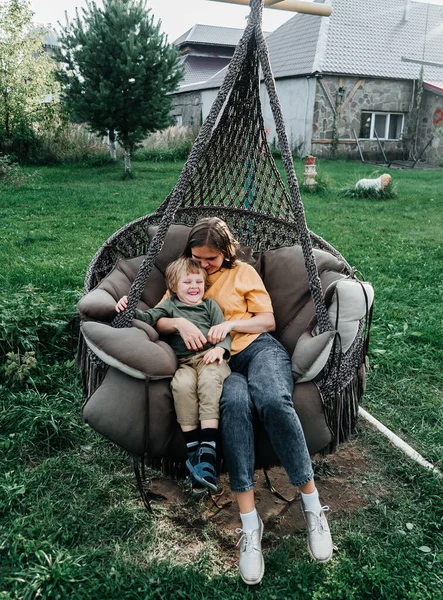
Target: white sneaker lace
247	539
318	517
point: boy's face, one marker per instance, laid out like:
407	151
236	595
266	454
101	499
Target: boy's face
190	288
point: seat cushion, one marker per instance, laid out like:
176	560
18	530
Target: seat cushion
285	278
136	351
119	410
141	418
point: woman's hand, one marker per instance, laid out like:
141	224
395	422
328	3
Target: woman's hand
214	355
217	333
122	304
190	333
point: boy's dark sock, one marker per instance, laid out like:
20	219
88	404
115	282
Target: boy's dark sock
208	445
192	440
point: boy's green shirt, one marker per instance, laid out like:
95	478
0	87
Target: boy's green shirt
204	315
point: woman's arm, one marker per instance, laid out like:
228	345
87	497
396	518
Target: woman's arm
190	333
259	323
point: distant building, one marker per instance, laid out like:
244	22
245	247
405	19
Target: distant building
205	50
353	75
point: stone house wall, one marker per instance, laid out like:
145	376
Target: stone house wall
430	123
348	97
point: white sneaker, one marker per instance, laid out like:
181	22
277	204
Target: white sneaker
251	563
319	536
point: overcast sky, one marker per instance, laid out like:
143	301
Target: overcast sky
177	16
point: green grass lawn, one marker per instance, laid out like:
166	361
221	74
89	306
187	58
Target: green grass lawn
71	522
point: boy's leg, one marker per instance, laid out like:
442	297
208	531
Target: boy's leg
184	391
210	380
209	388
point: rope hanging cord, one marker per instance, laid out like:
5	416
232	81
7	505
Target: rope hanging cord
305	240
169	208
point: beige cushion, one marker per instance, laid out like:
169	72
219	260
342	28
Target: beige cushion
349	299
134	351
311	355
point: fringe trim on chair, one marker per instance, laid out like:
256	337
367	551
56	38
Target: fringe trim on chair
92	369
169	467
341	410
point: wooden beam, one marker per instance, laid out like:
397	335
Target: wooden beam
299	6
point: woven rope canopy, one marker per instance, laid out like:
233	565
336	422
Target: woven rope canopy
231	173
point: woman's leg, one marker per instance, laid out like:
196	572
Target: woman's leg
268	369
236	424
237	415
267	366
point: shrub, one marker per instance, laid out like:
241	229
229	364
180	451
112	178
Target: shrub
11	172
34	324
322	187
371	193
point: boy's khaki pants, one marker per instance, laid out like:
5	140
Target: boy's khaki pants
197	389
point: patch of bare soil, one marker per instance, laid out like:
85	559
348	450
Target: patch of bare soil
340	477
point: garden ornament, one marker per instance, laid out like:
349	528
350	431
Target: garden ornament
379	184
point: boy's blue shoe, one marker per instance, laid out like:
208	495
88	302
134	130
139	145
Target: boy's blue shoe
204	472
196	487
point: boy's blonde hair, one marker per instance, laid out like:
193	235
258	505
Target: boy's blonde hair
176	269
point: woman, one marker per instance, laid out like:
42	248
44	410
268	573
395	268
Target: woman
261	384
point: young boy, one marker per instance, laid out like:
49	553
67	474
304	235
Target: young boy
198	382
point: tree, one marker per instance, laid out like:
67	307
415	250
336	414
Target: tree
27	83
117	69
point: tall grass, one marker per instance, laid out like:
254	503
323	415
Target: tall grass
172	144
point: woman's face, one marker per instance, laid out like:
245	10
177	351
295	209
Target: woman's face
210	260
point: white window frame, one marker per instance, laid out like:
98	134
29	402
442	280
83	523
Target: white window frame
388	122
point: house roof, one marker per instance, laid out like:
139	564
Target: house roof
211	35
376	39
361	38
198	69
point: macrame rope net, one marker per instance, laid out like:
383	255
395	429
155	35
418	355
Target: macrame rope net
230	173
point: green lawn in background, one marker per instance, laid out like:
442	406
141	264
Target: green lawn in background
72	526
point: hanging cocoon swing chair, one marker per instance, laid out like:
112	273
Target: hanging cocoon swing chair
231	174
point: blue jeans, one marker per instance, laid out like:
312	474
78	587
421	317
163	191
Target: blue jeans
261	383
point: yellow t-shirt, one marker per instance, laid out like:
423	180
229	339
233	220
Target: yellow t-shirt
241	294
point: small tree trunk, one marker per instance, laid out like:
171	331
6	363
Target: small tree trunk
112	150
128	162
111	145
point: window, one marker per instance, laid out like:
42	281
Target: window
388	126
179	120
